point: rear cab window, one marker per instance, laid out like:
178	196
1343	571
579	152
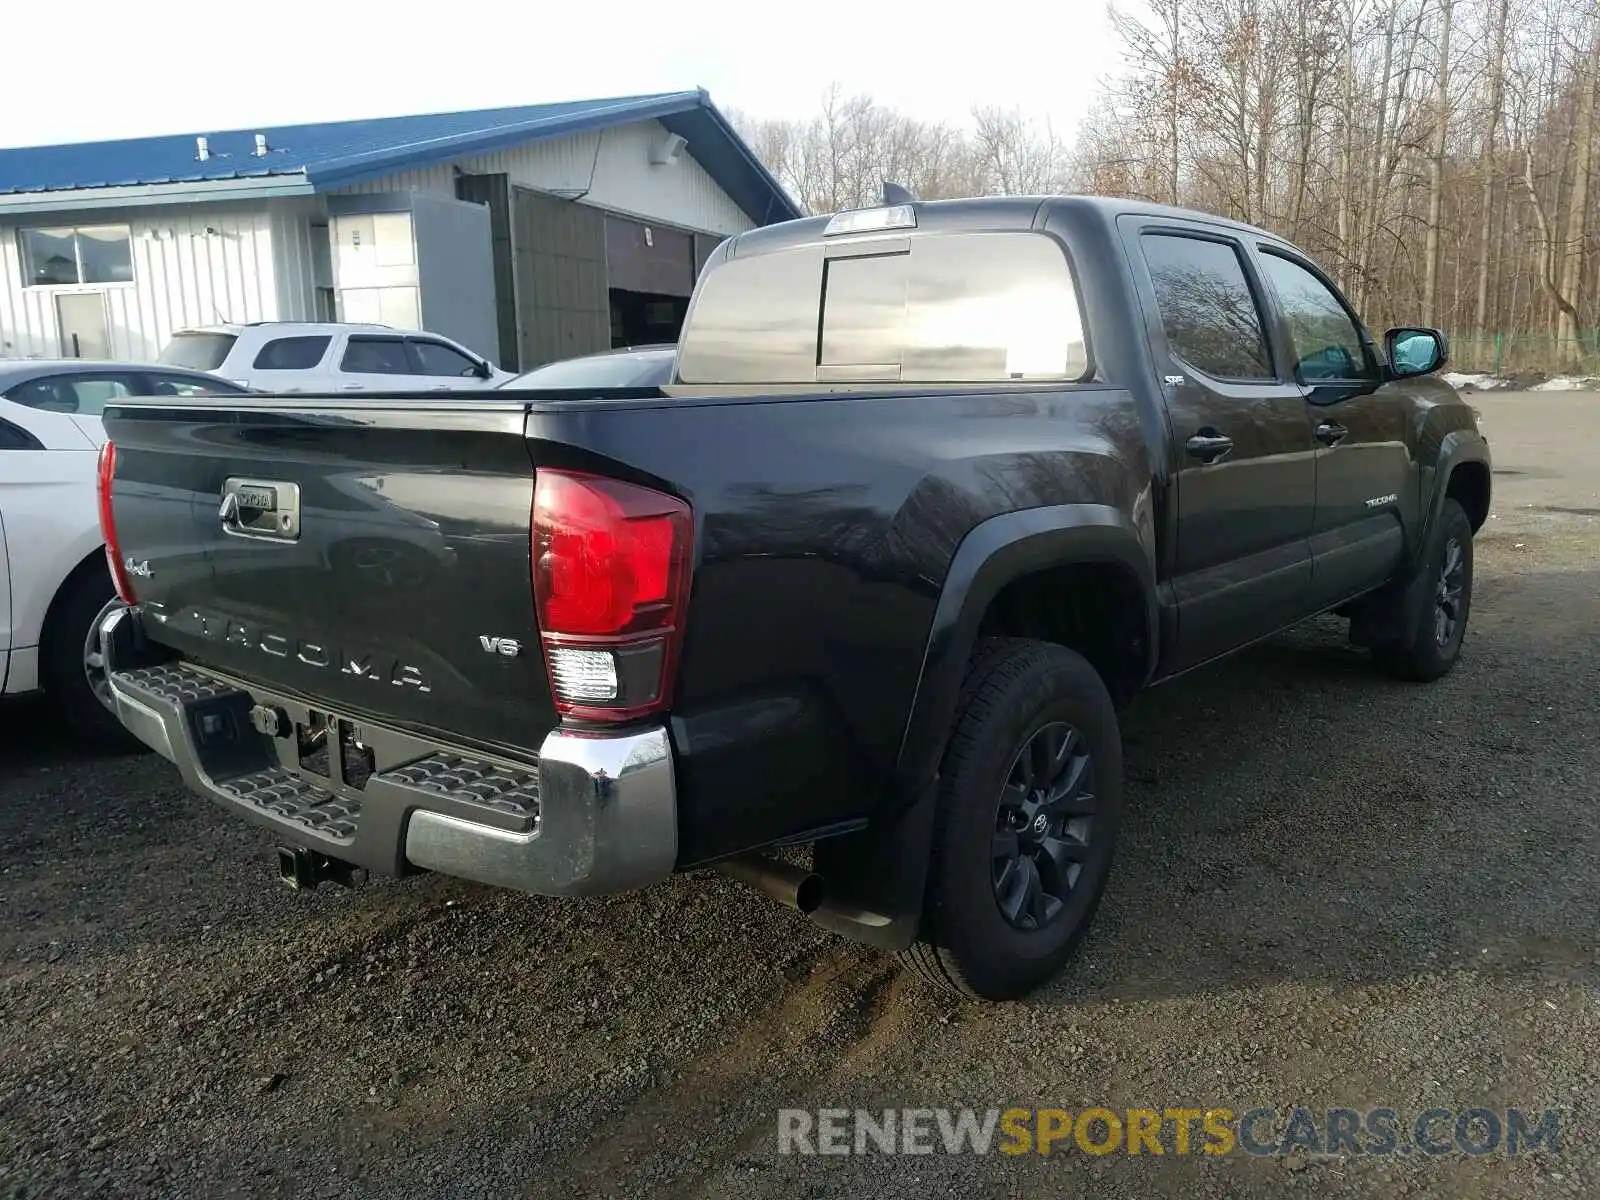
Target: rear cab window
198	351
968	307
291	353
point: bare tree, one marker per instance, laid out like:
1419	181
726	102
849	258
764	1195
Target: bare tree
841	157
1435	154
1441	130
1486	165
1572	244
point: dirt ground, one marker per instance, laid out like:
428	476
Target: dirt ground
1334	891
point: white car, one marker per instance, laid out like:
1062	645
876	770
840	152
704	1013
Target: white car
54	584
288	356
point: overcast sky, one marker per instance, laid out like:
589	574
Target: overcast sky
103	69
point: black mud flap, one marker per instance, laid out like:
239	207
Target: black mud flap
876	879
1389	616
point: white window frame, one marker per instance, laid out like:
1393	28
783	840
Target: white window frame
24	263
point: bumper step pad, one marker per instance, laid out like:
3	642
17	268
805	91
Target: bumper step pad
283	792
176	684
515	793
501	797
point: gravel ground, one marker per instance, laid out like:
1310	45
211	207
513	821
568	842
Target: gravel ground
1335	890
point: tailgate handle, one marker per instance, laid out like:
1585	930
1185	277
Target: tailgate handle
268	509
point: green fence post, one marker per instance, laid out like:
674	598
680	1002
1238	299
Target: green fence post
1499	338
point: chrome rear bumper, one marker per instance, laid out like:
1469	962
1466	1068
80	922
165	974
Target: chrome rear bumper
595	814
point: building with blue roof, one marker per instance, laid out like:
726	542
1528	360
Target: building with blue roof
530	233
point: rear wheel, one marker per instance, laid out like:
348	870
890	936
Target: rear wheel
1029	805
71	667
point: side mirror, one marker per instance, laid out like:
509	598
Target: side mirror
484	370
1415	351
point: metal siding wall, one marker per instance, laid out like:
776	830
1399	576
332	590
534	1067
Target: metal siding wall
680	193
20	335
294	262
561	279
436	181
183	275
620	177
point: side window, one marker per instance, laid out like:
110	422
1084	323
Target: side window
79	395
15	437
185	385
435	358
291	354
1327	344
1207	309
375	356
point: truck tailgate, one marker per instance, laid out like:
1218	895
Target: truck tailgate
370	556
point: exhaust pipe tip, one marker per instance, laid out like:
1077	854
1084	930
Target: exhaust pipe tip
786	883
809	893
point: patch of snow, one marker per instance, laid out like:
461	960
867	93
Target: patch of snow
1563	383
1481	383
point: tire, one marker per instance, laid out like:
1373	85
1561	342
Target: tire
64	671
1434	641
1016	694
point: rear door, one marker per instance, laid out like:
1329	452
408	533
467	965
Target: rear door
374	363
295	363
1366	479
1243	458
80	395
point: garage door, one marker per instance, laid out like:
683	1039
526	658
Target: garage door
651	259
563	307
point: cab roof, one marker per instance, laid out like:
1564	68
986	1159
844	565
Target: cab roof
986	213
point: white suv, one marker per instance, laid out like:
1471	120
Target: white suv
283	356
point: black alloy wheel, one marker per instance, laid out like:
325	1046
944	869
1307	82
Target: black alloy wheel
1026	810
1043	826
1448	593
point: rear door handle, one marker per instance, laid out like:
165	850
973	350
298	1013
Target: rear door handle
1208	445
1330	433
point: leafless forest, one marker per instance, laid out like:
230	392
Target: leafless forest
1436	155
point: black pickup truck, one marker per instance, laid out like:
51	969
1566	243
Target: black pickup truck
848	609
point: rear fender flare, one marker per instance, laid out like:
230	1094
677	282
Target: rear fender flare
881	872
996	553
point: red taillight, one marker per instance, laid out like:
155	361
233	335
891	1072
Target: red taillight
611	590
108	525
